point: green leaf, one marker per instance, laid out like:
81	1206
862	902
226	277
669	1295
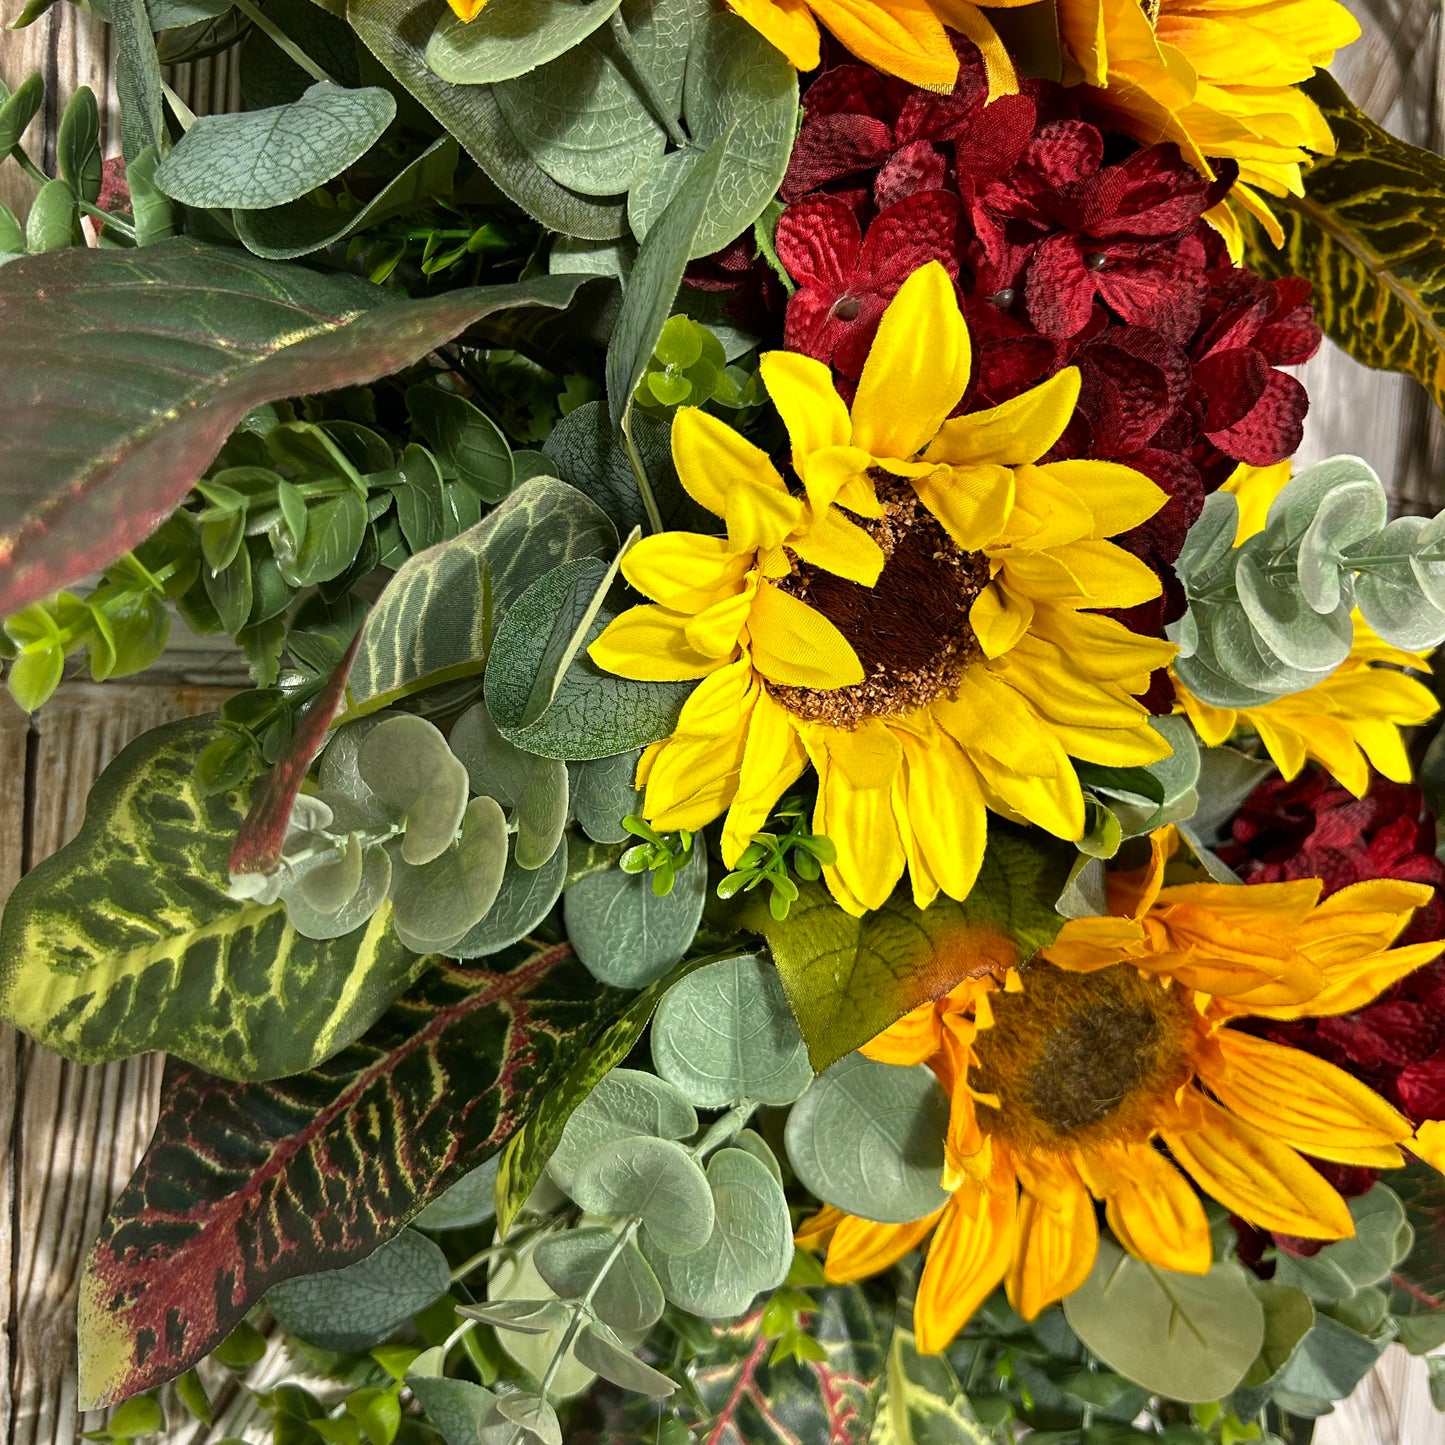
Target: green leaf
848	978
407	765
624	932
138	84
397	33
436	904
126	940
1330	1362
724	1034
868	1139
270	77
352	1308
1288	1318
300	228
625	1104
598	1352
655	1179
78	147
511	37
628	1297
547	696
51	224
18	108
455	1407
1366	234
526	897
661	260
466	1203
1337	1271
742	91
1190	1337
151	210
260	158
432	622
163	351
526	1156
192	1394
238	1190
749	1249
136	1418
1418	1281
467	442
603	794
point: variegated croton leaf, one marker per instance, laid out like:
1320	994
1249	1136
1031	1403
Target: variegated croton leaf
1368	233
243	1186
126	940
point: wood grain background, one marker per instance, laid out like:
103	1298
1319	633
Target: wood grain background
70	1135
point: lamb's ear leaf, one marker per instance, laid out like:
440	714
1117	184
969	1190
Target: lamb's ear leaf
233	1195
127	941
162	351
1367	233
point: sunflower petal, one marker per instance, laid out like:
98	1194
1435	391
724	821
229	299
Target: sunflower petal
802	390
795	645
969	1256
860	1247
733	479
650	644
1058	1237
1016	431
1152	1209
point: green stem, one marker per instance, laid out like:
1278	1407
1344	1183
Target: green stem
122	228
282	41
724	1128
650	93
27	165
649	502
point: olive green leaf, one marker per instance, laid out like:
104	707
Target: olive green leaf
628	1296
126	940
1188	1336
259	158
848	978
510	37
1368	234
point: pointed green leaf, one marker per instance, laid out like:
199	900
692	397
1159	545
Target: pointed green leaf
126	940
244	1186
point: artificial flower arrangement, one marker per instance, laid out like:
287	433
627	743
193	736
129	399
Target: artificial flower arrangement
825	845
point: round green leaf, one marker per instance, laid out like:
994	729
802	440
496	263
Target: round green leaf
750	1247
370	893
739	86
467	1202
628	1296
1390	595
511	37
409	767
437	904
455	1407
625	934
263	158
603	794
1188	1336
626	1103
1291	629
725	1033
353	1308
331	885
599	1349
526	897
653	1178
868	1138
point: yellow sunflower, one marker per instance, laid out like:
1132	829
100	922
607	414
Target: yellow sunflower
1348	722
1218	78
1044	1120
908	617
905	38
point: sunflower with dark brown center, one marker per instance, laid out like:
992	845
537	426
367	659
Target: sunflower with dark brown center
1066	1077
917	618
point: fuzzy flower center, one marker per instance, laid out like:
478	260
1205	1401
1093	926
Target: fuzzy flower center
910	629
1081	1059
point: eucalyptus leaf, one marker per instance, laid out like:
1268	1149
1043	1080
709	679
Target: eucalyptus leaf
466	1203
1288	1318
868	1139
1283	618
625	934
1328	1364
603	794
605	1355
655	1179
508	38
1390	596
413	773
1382	1238
742	91
435	905
528	1317
358	1306
1190	1337
750	1247
525	898
625	1103
725	1033
626	1297
455	1407
270	157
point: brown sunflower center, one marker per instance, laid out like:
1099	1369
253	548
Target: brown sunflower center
910	629
1083	1058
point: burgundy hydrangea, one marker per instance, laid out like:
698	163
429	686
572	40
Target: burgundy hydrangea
1069	246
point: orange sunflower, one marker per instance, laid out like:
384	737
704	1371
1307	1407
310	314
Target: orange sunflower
1066	1077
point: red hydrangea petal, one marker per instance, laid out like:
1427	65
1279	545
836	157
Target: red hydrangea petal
917	166
1232	382
1059	288
818	241
834	146
1272	429
1142	287
1421	1089
908	235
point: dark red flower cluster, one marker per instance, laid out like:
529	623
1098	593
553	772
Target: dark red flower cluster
1313	828
1068	246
